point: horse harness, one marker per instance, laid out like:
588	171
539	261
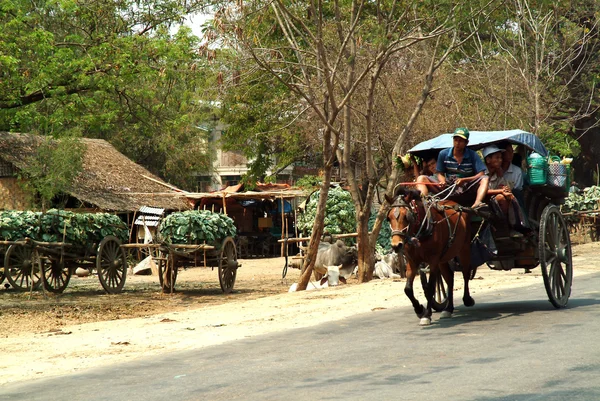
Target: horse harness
419	216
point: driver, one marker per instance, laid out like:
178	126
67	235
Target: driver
461	166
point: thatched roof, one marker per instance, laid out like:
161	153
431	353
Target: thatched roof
109	180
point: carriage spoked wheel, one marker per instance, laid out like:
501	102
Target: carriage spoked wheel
55	275
555	256
228	265
111	265
22	267
440	297
167	273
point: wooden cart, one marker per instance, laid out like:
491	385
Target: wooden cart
222	255
29	263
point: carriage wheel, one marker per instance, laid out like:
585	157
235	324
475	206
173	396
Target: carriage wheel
55	276
555	256
111	265
167	274
440	298
20	262
228	265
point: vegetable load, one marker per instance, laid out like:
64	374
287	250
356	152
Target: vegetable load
340	218
61	226
196	227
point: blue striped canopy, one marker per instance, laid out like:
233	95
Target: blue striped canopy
479	139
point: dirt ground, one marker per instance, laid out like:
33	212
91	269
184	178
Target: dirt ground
84	327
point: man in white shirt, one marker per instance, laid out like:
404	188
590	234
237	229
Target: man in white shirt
511	173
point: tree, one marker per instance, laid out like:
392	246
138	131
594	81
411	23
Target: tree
52	169
112	70
325	53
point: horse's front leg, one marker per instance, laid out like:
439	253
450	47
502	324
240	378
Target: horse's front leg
448	276
411	273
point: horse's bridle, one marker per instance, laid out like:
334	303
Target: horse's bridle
413	216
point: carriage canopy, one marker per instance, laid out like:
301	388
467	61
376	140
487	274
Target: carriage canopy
479	139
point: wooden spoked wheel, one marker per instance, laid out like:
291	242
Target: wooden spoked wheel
167	273
22	267
228	265
440	297
111	265
55	275
555	256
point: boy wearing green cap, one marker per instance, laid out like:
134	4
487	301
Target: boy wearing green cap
461	166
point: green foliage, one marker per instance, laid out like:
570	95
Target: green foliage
81	229
586	201
16	225
558	141
340	217
384	240
112	70
54	167
259	113
309	182
196	227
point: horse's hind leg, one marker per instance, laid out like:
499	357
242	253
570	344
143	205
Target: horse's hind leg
448	276
465	263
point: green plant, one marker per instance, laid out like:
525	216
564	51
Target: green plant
340	217
196	227
57	225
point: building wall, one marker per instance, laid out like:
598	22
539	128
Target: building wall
12	196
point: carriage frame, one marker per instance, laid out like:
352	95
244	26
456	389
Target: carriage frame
550	244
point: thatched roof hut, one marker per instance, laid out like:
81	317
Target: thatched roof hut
109	181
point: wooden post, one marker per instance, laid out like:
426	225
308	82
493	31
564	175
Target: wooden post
283	227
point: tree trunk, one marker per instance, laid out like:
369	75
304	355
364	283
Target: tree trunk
366	248
317	231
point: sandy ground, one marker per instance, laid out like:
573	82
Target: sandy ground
84	328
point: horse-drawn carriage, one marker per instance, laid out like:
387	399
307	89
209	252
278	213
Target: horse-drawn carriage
547	245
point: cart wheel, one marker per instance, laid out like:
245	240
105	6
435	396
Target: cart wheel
555	256
167	274
228	265
111	265
19	263
56	276
440	298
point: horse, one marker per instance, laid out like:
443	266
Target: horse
434	234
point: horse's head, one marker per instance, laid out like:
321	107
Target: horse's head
403	216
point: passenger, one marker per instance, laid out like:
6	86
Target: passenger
512	173
461	166
429	169
499	191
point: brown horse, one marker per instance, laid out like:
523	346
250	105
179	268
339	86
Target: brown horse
434	234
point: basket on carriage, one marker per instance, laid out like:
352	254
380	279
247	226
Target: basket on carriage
550	245
47	248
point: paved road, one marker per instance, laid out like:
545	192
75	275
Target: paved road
513	345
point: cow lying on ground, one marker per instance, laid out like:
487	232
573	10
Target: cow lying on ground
332	278
335	254
389	266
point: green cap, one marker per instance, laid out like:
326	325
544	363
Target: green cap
462	132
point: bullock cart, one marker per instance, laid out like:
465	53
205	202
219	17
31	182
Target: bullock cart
30	262
222	255
548	245
195	238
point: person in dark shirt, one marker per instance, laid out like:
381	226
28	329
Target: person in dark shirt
461	166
